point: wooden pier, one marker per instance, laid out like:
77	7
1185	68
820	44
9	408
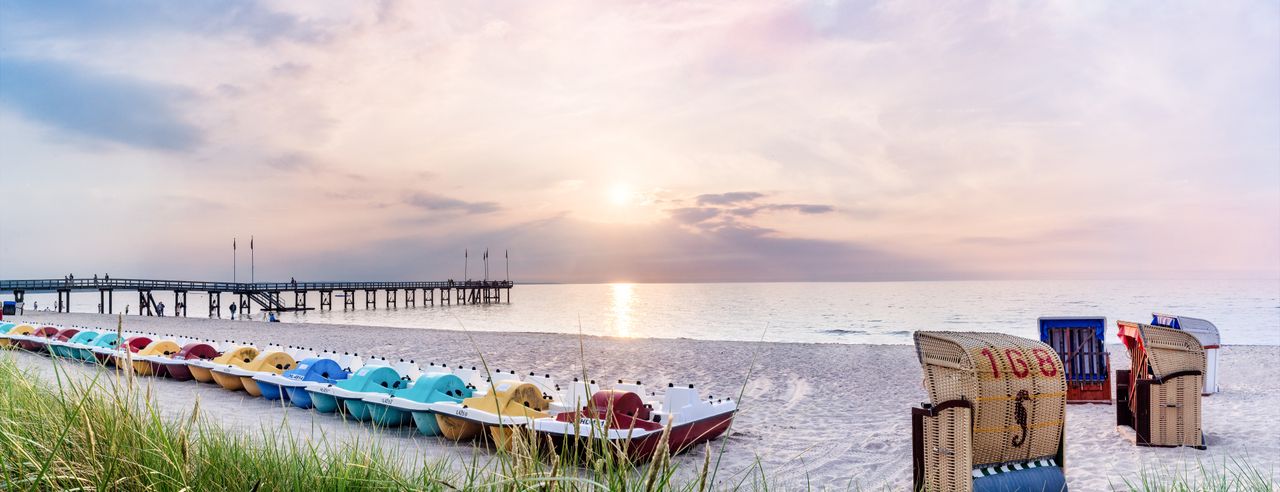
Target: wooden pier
266	295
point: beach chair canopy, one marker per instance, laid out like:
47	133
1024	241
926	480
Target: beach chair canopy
1203	330
1166	351
1016	387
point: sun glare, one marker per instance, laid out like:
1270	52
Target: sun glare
620	194
622	300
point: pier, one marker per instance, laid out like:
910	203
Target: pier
266	295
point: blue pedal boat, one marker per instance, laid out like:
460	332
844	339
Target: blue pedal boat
411	404
292	384
348	395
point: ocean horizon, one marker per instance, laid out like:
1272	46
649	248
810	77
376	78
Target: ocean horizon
1246	311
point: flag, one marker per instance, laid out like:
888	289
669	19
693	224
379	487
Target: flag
465	253
233	244
250	242
506	254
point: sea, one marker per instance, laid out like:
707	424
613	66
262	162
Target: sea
1245	311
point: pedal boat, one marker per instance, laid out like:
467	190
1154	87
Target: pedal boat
232	376
202	370
176	366
144	362
621	420
347	396
84	351
413	403
109	356
283	362
38	339
7	340
57	345
291	385
508	405
75	346
5	328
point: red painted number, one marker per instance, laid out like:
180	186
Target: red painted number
1013	364
1046	362
995	369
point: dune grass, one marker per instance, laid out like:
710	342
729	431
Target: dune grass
1227	475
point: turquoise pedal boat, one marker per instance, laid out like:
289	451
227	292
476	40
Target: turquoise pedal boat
347	396
410	404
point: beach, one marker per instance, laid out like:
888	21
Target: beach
827	414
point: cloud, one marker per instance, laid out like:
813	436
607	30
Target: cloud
729	198
112	19
725	211
693	215
564	249
107	107
290	69
806	209
439	203
294	162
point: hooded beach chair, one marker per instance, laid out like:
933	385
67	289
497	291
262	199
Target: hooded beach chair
1159	396
995	419
1207	334
1081	344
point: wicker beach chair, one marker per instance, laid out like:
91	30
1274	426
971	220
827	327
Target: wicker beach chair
1080	343
1207	334
996	414
1159	396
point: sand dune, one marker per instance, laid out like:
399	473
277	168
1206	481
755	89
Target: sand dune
829	414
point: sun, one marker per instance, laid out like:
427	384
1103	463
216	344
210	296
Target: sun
620	194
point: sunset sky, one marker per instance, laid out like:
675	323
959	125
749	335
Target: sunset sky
627	141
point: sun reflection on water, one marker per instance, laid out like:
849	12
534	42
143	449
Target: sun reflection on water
622	299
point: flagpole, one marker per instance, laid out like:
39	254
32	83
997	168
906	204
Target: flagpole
507	255
233	260
466	257
252	278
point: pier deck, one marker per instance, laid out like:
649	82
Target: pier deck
264	294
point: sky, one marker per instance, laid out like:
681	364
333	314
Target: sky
600	141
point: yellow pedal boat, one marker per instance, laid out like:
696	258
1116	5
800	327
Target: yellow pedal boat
507	406
202	370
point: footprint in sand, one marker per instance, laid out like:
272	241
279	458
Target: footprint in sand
797	391
759	387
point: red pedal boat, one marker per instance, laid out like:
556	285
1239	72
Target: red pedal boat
621	418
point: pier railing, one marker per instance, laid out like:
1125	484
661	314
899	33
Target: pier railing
202	286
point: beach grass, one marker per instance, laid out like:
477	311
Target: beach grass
1225	475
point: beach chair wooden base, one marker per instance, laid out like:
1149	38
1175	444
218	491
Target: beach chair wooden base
1167	412
1089	393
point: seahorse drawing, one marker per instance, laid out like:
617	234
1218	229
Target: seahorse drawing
1020	414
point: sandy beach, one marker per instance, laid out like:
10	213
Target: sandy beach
833	415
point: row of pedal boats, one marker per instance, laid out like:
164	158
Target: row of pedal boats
456	402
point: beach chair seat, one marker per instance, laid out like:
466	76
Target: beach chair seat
1159	397
995	419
